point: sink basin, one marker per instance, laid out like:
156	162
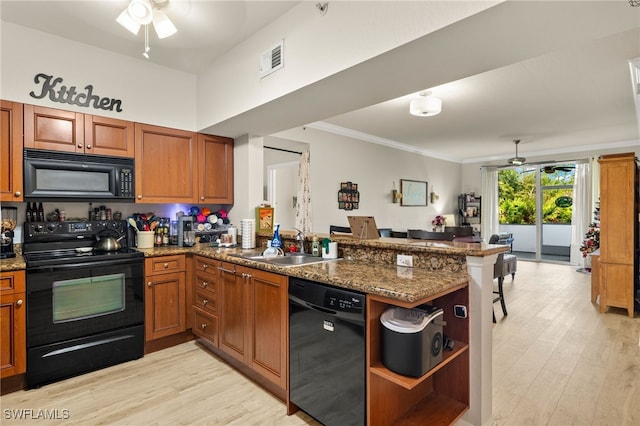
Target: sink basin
290	259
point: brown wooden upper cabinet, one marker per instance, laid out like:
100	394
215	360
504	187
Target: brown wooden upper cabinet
58	130
165	165
215	169
11	151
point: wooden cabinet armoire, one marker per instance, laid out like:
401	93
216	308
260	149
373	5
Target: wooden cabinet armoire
618	231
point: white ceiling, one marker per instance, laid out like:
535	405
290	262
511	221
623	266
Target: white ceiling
572	95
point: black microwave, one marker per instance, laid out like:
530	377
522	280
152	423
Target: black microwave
53	175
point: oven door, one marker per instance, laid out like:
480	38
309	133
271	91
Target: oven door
66	302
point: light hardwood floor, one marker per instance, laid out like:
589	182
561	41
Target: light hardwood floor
557	361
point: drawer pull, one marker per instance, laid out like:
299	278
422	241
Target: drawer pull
204	267
226	270
204	284
165	266
203	325
246	275
204	302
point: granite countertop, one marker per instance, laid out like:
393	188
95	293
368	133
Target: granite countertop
399	283
409	285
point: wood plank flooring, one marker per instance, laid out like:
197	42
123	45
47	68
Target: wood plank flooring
557	361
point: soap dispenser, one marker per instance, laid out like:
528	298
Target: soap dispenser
276	241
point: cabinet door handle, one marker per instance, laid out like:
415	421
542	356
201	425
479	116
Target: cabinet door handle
204	267
17	193
202	198
203	325
204	284
204	302
149	284
139	197
19	302
79	145
88	146
246	275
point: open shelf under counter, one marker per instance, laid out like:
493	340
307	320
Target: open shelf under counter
440	396
408	382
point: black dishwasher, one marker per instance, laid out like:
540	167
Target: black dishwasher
327	352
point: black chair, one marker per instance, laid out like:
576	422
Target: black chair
460	231
398	234
340	229
505	264
419	234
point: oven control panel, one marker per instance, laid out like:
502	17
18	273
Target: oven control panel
38	231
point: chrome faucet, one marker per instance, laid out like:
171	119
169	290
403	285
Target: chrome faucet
300	237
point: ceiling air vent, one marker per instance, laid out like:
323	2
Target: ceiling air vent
272	60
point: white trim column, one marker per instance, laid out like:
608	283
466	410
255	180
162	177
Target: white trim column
480	270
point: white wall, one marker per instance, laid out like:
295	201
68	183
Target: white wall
336	159
316	47
150	93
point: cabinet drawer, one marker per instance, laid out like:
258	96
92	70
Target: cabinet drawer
205	282
205	325
207	266
12	282
205	301
164	264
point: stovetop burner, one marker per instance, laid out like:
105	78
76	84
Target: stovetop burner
66	256
56	243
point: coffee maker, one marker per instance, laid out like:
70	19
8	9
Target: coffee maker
185	223
9	220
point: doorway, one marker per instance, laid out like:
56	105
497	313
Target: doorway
536	205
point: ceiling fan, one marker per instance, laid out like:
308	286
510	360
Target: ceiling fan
516	161
548	166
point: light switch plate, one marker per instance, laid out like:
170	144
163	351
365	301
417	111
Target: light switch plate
405	260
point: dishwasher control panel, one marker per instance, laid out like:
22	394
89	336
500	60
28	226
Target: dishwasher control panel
343	302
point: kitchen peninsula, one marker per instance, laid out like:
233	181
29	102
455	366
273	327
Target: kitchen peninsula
450	272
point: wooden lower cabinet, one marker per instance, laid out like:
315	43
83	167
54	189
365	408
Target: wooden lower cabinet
252	313
441	396
204	322
13	340
165	303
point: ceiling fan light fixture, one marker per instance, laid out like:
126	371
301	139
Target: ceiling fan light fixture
140	11
128	22
163	25
426	105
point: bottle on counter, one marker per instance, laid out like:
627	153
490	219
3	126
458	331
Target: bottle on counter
91	214
276	241
28	216
63	216
40	213
315	246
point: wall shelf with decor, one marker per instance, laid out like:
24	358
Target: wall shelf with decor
469	210
348	196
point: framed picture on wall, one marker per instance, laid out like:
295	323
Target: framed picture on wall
414	193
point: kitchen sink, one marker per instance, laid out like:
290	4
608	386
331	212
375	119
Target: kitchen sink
289	259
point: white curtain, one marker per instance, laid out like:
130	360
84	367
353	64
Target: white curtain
490	209
582	212
303	204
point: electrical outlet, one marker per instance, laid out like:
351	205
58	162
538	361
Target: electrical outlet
405	260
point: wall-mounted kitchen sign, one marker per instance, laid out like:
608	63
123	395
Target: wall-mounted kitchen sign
51	87
348	196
